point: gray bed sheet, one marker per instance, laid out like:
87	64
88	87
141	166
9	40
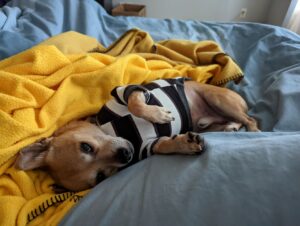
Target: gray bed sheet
242	179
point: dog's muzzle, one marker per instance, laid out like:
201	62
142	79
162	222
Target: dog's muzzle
124	155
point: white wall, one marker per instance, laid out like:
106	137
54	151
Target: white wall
212	10
278	11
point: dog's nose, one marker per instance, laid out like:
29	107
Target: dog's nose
124	155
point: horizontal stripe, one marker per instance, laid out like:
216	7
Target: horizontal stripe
146	130
116	94
117	108
151	86
126	128
104	115
107	128
161	83
120	92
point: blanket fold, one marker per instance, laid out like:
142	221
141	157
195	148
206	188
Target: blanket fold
60	80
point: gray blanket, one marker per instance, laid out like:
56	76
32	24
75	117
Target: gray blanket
242	179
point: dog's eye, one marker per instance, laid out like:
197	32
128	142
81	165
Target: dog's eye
86	148
100	177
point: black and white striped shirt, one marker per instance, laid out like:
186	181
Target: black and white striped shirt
115	119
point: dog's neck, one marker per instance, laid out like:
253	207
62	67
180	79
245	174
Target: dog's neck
103	127
93	119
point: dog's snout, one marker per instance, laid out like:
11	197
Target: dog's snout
124	155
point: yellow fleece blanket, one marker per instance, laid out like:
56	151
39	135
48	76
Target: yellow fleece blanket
48	85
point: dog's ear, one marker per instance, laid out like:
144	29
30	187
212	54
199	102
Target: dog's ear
33	156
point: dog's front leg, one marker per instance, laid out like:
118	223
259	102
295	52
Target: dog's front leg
188	143
137	105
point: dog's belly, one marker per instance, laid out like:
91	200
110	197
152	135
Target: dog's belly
201	112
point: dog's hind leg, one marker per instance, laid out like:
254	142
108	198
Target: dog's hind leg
226	103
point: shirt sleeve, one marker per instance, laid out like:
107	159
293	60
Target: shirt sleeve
147	151
122	93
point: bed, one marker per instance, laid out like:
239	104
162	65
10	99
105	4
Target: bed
242	179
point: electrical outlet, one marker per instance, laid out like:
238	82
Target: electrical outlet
243	13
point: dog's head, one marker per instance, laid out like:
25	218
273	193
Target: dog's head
78	156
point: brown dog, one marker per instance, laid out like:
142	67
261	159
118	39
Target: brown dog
163	117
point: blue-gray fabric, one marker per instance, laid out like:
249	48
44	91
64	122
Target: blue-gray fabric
243	178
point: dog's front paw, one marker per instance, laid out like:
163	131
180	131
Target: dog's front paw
190	143
157	114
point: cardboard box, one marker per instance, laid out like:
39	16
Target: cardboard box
126	9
